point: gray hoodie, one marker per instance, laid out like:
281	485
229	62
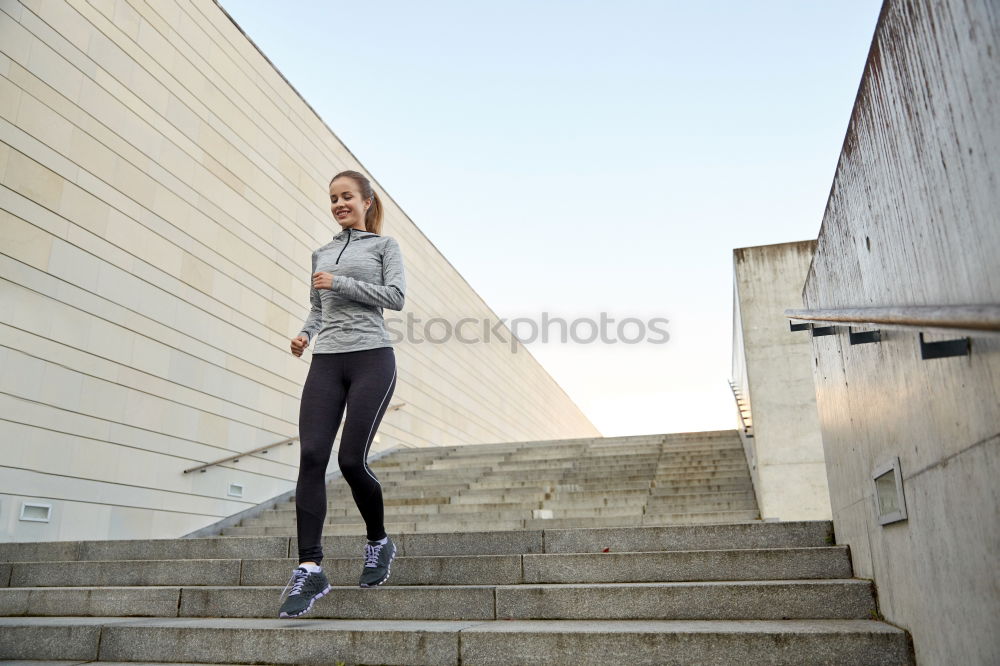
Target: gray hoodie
368	275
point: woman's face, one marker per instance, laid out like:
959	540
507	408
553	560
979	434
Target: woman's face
346	204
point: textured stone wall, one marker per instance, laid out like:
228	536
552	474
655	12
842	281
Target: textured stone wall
912	219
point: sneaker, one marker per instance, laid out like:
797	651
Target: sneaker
306	588
378	560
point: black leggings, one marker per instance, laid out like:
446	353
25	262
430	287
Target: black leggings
362	381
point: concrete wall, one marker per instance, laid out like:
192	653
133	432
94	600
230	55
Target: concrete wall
161	190
773	370
912	220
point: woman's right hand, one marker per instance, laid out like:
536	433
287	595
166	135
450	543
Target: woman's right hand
299	344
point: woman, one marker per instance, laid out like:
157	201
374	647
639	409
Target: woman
353	366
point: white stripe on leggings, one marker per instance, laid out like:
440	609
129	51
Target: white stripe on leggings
371	430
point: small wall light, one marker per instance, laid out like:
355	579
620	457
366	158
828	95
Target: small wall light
36	512
235	490
890	504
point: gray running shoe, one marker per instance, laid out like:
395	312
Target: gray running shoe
306	588
378	560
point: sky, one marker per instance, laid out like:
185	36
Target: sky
577	158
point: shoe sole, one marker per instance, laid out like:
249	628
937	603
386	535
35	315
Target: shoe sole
310	606
388	571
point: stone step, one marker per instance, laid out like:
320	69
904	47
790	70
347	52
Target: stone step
279	516
807	533
657	519
653	512
467	475
338	496
605	469
562	452
608	485
711	476
730	600
718	437
340	488
610	469
673	488
546	450
472	514
574	458
656	494
727	500
482	512
504	569
346	506
77	662
514	467
594	483
577	642
476	524
573	492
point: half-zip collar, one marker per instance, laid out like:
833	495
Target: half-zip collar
348	234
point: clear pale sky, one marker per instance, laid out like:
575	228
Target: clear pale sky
580	157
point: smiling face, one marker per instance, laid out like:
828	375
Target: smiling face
346	204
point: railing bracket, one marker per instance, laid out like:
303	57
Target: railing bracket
944	348
823	330
798	327
863	337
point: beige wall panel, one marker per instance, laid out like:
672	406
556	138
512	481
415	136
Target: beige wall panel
162	190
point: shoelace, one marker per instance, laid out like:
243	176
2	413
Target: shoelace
371	554
296	582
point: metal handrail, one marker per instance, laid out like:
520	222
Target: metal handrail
747	429
263	449
978	318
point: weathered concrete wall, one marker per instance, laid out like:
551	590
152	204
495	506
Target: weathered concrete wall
161	190
912	219
774	370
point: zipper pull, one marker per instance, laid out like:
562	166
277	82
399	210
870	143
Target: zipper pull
345	245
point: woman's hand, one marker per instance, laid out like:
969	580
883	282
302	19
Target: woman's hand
299	344
322	280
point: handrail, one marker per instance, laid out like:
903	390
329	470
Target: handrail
747	429
980	318
263	449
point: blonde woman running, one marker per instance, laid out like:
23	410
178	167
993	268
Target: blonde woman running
354	276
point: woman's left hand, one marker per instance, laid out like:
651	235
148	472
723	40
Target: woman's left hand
322	280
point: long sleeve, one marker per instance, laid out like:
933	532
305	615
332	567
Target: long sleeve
315	319
391	294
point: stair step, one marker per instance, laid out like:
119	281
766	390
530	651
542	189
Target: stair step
276	641
503	512
477	523
508	569
666	538
721	600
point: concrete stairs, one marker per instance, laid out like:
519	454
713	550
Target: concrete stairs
597	482
682	573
